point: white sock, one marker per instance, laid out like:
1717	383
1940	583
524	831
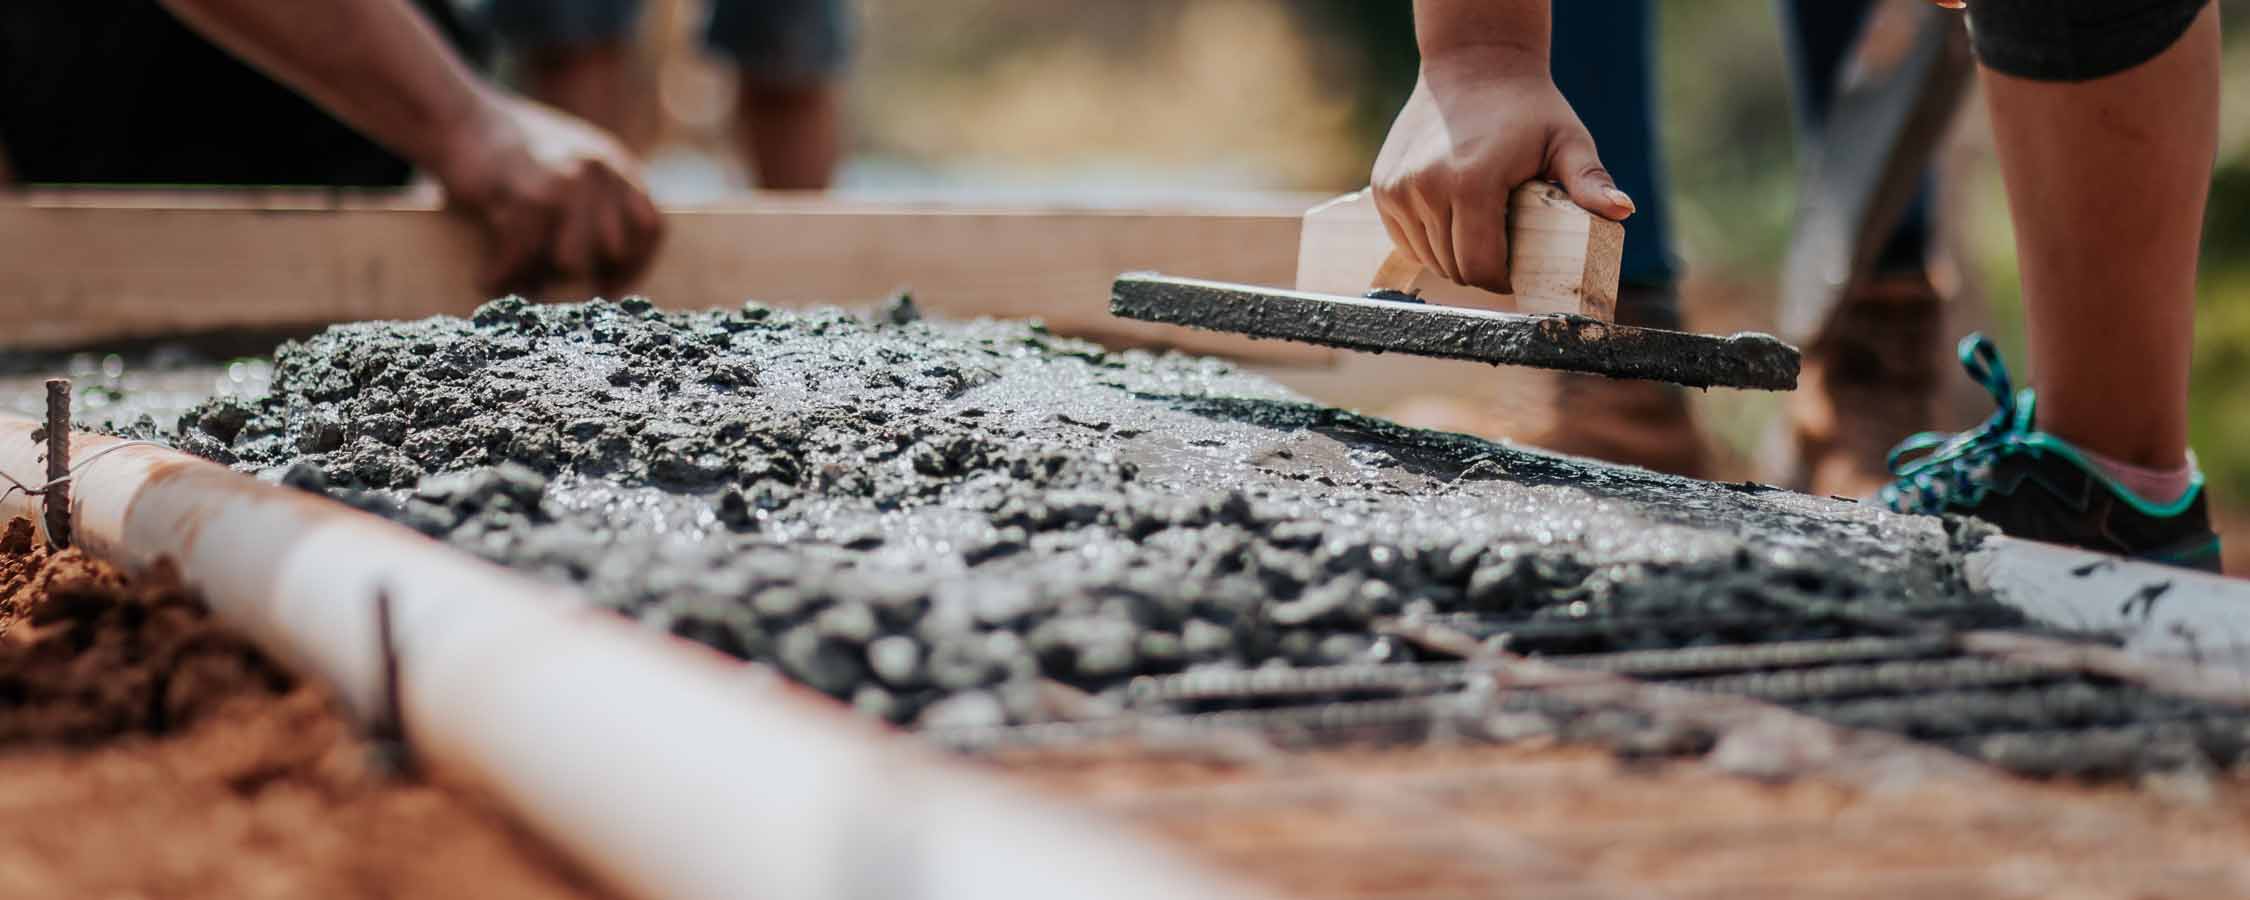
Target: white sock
2158	486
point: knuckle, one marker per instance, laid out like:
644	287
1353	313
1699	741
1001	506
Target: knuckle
1390	193
1431	187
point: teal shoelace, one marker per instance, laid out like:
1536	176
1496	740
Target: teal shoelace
1933	471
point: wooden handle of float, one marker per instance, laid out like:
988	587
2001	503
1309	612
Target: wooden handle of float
1399	272
1563	258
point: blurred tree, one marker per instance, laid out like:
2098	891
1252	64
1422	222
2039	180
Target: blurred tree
1381	36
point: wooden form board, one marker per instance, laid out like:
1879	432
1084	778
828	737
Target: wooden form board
1563	258
79	268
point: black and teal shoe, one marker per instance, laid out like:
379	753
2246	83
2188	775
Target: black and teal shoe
2033	485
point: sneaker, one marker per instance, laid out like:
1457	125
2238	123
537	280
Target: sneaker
2031	484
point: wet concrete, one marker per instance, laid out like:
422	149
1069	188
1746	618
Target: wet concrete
1563	343
939	522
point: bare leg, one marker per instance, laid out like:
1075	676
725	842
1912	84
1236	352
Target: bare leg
791	134
2107	181
593	82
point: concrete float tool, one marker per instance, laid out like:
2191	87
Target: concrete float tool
1357	292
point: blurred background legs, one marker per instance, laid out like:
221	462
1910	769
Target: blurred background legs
1872	367
791	134
1877	360
1605	61
594	81
787	58
581	56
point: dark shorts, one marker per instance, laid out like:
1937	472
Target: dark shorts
783	41
2076	40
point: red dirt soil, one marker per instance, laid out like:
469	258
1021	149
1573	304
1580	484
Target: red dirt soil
1535	820
146	752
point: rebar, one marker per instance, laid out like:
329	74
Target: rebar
1330	681
56	496
1599	633
1751	657
1877	679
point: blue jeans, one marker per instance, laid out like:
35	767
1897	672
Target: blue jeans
1615	94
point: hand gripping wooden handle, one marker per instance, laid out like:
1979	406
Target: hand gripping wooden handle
1563	259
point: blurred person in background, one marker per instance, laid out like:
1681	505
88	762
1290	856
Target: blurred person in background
336	94
1880	363
2105	114
788	55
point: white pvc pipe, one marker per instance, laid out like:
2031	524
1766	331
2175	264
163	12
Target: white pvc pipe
667	769
2158	612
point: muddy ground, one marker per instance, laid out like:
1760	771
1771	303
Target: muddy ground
931	520
145	752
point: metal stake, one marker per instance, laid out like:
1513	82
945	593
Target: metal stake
388	731
57	493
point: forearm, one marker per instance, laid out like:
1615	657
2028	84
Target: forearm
1512	34
376	64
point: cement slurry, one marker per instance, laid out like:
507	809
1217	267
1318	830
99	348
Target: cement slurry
939	522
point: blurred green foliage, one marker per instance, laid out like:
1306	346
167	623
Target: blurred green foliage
2221	398
1382	34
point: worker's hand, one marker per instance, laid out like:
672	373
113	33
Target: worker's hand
559	199
1471	134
